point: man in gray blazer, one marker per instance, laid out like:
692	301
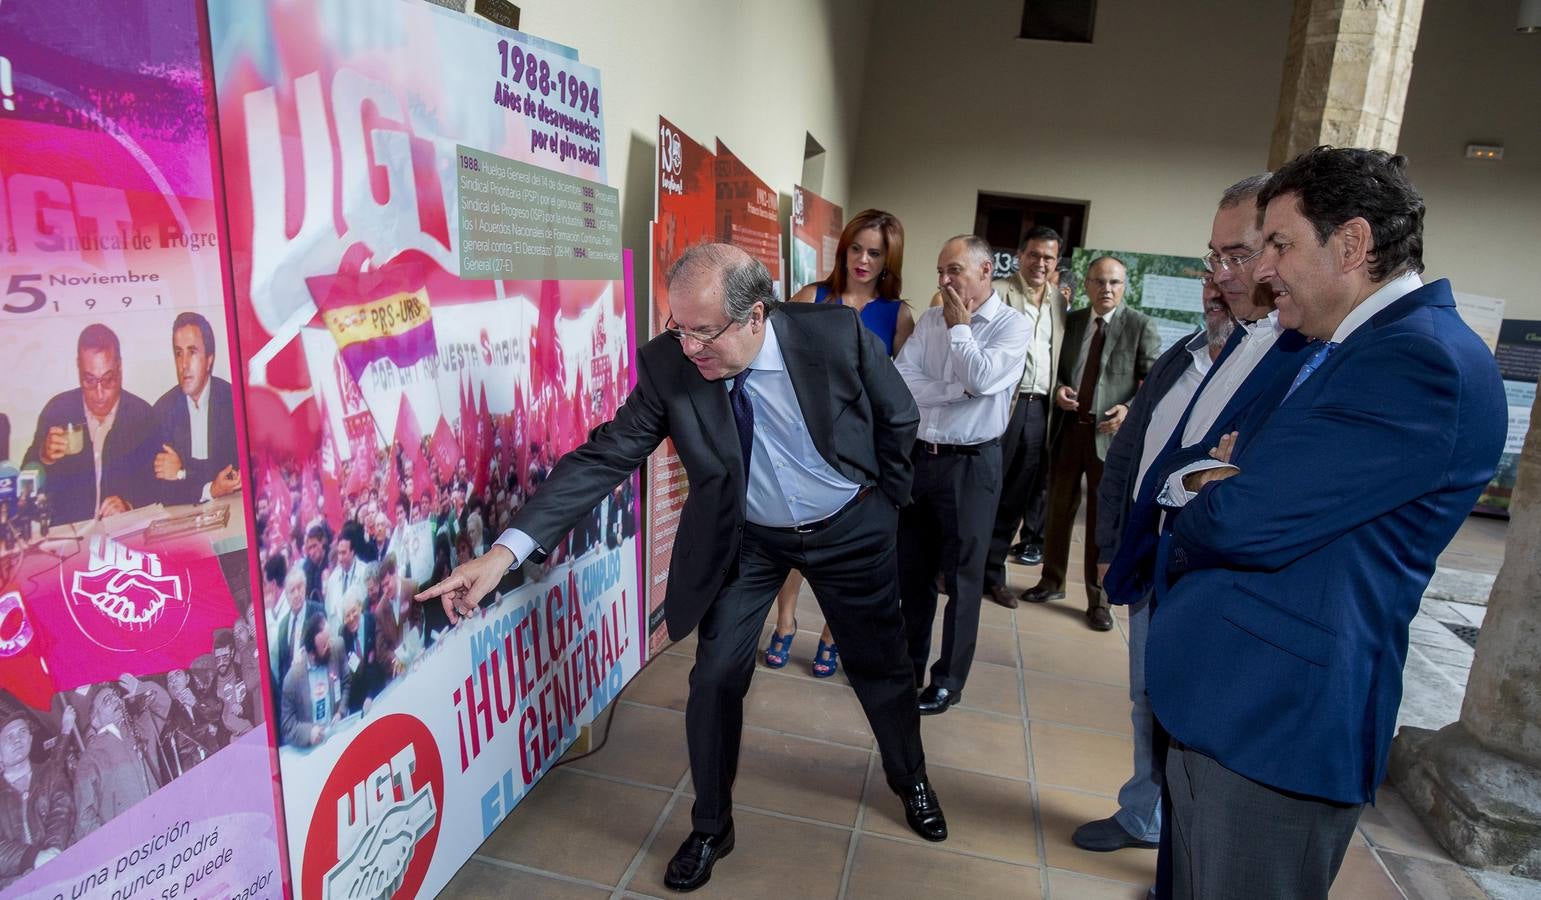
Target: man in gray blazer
795	431
1109	348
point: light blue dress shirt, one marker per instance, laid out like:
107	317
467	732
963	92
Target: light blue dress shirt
790	483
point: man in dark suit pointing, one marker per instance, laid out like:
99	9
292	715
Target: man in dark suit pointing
795	431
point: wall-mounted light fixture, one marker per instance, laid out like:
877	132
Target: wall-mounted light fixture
1484	151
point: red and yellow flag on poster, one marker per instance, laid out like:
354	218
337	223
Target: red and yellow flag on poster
377	314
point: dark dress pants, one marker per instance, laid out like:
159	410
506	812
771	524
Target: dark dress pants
1231	836
1075	455
1022	482
948	523
850	566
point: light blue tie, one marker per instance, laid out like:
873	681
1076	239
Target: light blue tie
1312	364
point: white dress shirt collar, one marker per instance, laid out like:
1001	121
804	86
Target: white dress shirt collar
769	358
1108	318
991	308
1389	293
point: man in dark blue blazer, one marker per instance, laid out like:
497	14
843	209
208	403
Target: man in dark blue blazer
1279	630
1194	387
197	459
95	442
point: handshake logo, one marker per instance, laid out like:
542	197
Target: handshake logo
124	599
379	860
377	818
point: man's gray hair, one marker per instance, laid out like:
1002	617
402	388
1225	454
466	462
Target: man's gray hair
1244	190
977	247
745	280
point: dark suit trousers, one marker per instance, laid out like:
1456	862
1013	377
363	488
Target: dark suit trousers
949	523
850	566
1075	454
1234	837
1022	482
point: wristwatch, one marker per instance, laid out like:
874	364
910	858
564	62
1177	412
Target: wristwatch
181	474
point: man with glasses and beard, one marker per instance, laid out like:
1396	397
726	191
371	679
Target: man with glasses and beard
795	430
314	688
1240	321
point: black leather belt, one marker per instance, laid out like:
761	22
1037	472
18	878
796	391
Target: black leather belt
1033	398
927	448
820	525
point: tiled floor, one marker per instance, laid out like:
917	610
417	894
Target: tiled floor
1039	745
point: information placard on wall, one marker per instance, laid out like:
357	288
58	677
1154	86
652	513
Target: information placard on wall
1169	289
816	227
409	386
1519	362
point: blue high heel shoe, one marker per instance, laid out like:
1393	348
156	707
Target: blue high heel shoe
826	662
780	649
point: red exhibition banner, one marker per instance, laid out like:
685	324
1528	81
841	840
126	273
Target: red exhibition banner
702	197
686	215
133	712
816	226
431	306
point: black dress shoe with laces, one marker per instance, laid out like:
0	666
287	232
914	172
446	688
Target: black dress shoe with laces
1041	594
692	864
923	811
935	700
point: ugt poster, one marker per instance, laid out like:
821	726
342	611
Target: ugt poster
428	293
133	729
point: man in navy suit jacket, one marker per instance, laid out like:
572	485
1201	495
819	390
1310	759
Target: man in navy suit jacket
1279	630
197	459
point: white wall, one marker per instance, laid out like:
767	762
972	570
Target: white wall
1476	81
1173	103
756	74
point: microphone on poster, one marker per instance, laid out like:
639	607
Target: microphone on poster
7	87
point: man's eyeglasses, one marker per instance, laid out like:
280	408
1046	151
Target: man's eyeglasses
704	338
107	380
1214	262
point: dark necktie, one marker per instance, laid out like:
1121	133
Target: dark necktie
1090	371
743	416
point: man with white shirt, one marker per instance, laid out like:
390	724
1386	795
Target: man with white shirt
95	443
963	364
1025	442
346	578
1294	560
197	460
1233	301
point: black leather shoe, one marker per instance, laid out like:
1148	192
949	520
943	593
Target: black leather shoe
923	811
935	700
1105	836
1099	618
1041	594
692	864
1029	555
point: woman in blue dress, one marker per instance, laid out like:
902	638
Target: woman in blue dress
867	278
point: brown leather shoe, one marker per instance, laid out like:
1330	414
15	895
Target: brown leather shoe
1099	618
1000	594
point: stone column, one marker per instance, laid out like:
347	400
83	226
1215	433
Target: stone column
1477	782
1345	75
